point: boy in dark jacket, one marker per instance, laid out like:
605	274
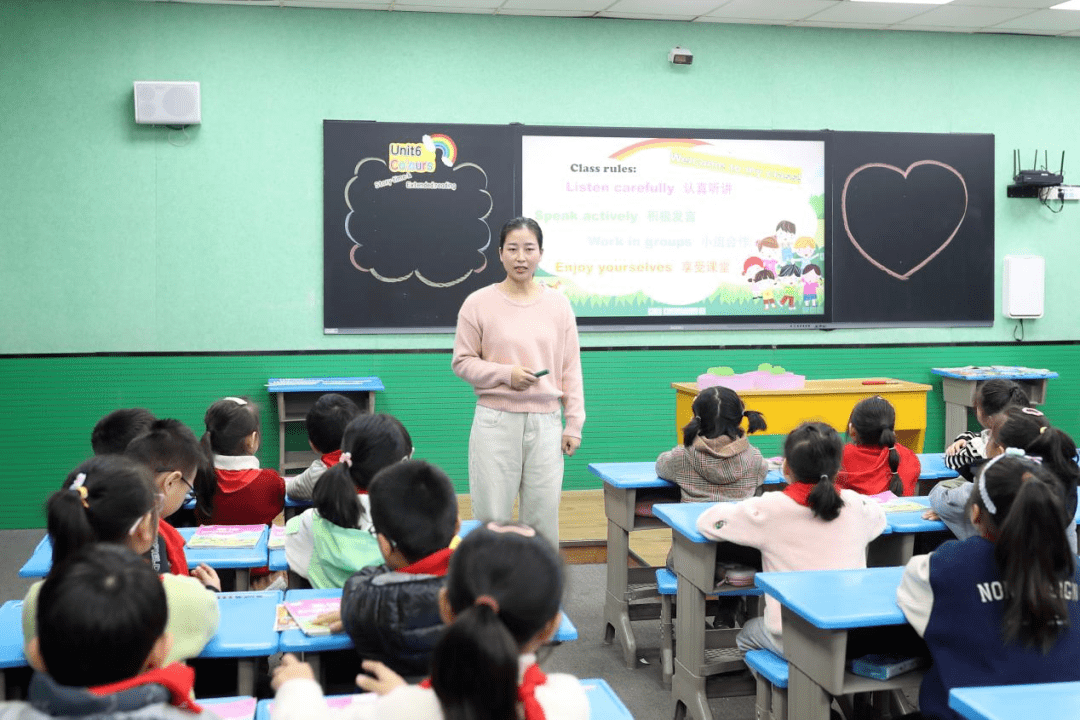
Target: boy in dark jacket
391	612
101	643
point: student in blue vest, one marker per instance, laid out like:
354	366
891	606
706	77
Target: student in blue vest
996	608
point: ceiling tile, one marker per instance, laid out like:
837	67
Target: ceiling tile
870	13
1023	4
838	25
739	21
398	7
783	10
545	13
643	16
971	17
1060	20
692	8
575	5
933	28
450	5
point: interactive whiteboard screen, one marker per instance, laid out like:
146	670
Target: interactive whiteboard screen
675	231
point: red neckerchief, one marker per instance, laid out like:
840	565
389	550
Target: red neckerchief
800	492
177	678
532	679
331	459
437	563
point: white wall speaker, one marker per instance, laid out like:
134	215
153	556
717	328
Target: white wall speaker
1023	286
167	103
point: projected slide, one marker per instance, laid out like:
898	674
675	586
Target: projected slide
680	227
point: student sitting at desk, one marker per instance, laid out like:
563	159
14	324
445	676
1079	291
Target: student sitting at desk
997	608
113	432
716	461
329	542
968	451
1027	429
391	612
325	422
173	454
874	462
501	604
110	499
809	526
103	647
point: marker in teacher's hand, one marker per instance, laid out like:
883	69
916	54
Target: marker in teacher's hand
541	373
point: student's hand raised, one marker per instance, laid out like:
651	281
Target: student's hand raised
207	576
380	679
332	620
290	669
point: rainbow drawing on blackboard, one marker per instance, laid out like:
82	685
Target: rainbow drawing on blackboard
437	198
904	173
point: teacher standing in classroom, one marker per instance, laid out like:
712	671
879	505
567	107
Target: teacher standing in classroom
517	345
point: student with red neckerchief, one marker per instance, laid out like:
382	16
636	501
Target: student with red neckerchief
325	422
811	525
500	604
329	542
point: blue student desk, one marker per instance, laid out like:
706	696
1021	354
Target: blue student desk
1004	702
959	387
296	641
622	481
933	467
245	632
11	641
896	544
819	608
695	566
240	559
604	704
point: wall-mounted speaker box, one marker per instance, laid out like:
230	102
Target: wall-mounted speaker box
167	103
1023	287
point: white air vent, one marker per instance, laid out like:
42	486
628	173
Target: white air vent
167	103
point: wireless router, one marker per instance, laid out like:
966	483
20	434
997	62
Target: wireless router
1035	177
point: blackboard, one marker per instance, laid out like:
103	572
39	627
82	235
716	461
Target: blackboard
913	228
412	213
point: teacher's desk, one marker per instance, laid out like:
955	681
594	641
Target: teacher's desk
830	401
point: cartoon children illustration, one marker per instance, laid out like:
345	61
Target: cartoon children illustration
763	286
811	280
770	253
805	247
789	278
785	236
752	267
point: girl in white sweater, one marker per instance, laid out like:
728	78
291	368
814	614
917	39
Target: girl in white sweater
808	526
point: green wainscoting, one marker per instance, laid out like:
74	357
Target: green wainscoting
52	402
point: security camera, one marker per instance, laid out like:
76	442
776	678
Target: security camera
680	56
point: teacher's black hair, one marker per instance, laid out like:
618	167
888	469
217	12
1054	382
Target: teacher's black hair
522	223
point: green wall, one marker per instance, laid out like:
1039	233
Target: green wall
116	241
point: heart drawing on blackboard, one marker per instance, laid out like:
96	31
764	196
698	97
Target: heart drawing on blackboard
903	173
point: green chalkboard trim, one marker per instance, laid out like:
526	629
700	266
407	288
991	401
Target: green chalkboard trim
606	348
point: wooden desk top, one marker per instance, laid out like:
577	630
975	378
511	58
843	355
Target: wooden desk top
828	387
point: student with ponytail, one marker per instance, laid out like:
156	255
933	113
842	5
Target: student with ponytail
811	525
998	607
329	542
112	499
1028	430
874	461
501	604
716	461
993	397
239	492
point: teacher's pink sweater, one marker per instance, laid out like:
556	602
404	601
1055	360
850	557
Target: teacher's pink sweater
495	333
